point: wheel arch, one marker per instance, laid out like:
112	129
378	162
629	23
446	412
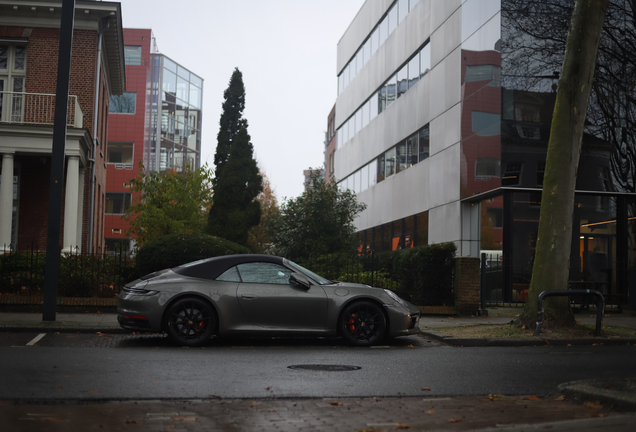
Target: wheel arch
196	295
358	299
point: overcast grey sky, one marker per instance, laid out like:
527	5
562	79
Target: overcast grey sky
286	50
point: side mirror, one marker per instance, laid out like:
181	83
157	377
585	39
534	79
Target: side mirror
300	279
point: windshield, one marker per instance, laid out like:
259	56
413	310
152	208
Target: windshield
321	280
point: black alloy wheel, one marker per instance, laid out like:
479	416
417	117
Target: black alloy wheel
190	322
363	323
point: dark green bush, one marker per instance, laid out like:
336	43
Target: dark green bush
421	275
175	249
79	275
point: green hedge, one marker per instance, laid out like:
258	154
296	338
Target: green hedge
176	249
421	275
80	275
424	274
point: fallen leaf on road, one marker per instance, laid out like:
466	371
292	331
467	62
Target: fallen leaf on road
497	314
593	405
569	345
269	388
455	420
52	420
410	346
531	398
336	403
426	389
185	419
495	397
430	412
560	398
403	426
598	415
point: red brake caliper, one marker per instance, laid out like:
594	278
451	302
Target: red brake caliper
352	327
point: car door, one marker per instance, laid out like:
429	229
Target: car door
270	300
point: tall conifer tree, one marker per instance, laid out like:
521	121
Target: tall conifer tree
237	182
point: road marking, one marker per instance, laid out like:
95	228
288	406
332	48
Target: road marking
36	339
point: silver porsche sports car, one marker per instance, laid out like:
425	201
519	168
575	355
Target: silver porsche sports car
260	295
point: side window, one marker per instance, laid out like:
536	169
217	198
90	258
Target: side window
266	273
230	275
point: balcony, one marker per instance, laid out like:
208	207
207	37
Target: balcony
36	109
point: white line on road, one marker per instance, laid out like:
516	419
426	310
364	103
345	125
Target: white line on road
36	339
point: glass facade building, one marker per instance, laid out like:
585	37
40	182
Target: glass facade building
485	108
174	102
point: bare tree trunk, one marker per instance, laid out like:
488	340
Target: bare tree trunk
554	239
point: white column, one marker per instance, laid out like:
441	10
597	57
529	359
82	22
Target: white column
80	208
6	201
71	204
471	229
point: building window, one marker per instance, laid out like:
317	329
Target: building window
120	153
486	124
132	55
540	173
496	216
489	73
117	203
124	104
512	176
424	143
487	168
12	82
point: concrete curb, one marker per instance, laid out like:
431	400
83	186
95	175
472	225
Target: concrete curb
485	342
612	393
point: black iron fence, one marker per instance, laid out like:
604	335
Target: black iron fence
81	274
506	282
420	278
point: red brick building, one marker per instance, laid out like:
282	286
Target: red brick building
126	131
29	41
157	121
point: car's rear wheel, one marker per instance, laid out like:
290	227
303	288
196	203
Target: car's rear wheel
190	321
362	323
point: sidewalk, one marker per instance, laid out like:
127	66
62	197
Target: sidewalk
76	322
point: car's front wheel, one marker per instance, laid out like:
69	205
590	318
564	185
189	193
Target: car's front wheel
190	321
362	323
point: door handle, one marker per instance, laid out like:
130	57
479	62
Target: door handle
248	296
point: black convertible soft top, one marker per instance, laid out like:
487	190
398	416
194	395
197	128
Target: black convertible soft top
211	268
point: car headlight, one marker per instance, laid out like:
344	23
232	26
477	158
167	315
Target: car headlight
139	292
394	296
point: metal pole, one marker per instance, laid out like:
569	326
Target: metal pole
51	268
482	288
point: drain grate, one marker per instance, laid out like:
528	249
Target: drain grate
325	368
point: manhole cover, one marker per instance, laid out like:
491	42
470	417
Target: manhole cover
328	368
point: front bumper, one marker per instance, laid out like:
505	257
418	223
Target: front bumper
404	320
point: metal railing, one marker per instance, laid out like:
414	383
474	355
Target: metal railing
36	109
81	274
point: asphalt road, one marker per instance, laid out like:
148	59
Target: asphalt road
98	367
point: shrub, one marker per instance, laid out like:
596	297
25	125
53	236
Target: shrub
176	249
79	275
421	275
